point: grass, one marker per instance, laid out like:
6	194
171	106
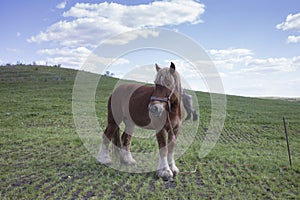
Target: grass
43	157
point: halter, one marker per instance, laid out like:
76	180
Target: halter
167	99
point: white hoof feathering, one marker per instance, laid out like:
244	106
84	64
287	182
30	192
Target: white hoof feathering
103	156
127	158
174	169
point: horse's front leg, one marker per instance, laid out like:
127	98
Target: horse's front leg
171	147
163	169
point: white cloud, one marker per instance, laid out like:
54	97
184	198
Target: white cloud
230	52
252	76
80	32
86	24
293	39
61	5
231	57
77	57
67	57
66	51
11	49
273	65
158	13
90	23
292	22
243	61
129	36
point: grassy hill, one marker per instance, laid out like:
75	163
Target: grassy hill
43	157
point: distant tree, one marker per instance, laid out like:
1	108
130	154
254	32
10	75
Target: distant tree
108	73
58	65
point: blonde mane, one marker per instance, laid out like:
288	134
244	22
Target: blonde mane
169	80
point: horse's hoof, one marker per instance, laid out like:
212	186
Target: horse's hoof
106	161
129	162
174	169
165	174
171	179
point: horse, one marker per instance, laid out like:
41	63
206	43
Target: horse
187	101
157	107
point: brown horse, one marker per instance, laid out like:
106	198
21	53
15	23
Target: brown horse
156	107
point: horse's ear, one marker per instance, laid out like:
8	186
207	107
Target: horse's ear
172	68
157	67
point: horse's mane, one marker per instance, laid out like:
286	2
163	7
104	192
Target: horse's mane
164	75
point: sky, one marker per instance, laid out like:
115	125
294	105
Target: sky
254	44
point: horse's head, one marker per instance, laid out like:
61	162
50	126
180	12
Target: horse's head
167	90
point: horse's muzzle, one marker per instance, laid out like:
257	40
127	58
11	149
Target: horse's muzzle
156	110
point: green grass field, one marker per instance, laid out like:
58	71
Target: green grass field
43	157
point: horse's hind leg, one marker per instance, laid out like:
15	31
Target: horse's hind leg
112	130
125	154
188	116
195	116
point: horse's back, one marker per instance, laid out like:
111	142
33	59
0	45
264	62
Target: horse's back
126	92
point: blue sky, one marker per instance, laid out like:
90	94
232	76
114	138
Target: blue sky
254	44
